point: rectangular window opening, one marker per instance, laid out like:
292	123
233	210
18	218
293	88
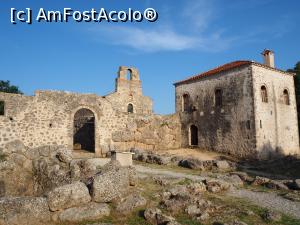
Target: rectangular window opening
2	108
260	123
248	125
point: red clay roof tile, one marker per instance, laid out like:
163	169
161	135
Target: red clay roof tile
219	69
226	67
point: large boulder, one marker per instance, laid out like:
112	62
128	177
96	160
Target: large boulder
49	174
235	180
192	164
156	217
197	187
131	202
297	184
260	181
112	183
222	165
277	185
89	212
16	146
216	185
16	177
24	211
244	176
271	216
158	159
68	196
176	198
64	155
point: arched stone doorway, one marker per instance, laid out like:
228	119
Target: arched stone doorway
194	135
84	130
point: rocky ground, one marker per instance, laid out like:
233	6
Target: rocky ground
48	186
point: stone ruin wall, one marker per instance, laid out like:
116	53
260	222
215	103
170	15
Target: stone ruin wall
222	129
47	119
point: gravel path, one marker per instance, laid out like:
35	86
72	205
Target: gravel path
264	199
269	200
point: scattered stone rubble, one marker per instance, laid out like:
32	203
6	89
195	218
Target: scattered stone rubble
191	163
47	186
60	189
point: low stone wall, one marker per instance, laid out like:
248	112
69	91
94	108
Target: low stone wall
155	132
48	119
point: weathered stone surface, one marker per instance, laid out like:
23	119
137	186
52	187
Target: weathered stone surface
192	164
222	165
236	222
24	211
68	196
197	187
99	224
271	216
193	210
161	181
91	211
260	180
156	217
133	176
112	183
176	198
273	184
224	127
15	146
131	202
93	164
244	176
49	174
235	180
297	184
179	191
158	159
215	185
16	176
64	155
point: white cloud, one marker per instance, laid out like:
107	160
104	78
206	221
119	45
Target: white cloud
161	39
191	29
199	13
149	40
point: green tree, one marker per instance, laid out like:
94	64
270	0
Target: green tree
296	70
5	86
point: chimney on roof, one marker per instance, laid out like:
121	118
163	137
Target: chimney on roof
268	58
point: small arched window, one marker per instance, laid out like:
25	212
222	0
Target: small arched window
130	108
2	108
185	103
286	98
218	97
264	94
128	74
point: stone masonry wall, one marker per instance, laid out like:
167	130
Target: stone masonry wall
276	122
47	118
229	128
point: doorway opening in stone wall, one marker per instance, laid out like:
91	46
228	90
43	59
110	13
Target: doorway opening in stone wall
193	135
84	131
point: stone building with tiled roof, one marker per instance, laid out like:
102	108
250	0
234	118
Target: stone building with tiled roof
244	108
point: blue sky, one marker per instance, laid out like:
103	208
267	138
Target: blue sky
190	36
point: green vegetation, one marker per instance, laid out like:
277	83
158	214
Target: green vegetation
2	157
296	70
5	86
